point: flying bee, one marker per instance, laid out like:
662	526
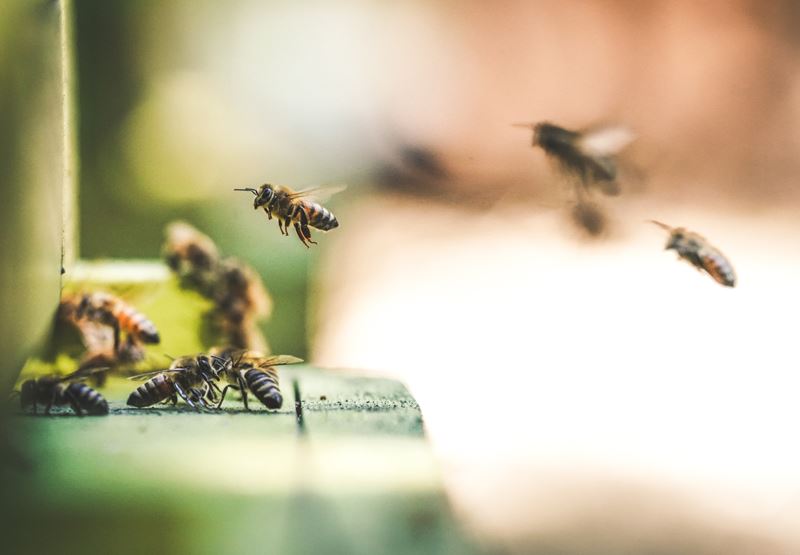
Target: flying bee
590	154
192	255
241	300
63	390
290	207
192	378
697	251
108	310
254	371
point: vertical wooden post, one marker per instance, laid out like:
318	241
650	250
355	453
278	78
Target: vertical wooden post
38	171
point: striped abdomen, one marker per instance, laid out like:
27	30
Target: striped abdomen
319	217
87	398
135	323
717	266
153	391
263	383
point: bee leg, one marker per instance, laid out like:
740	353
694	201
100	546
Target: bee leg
74	402
300	234
174	399
185	397
243	389
307	233
304	227
224	391
280	225
268	213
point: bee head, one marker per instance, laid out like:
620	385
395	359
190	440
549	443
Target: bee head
27	394
208	371
675	240
264	196
548	136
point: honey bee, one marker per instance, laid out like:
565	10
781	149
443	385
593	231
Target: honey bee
241	301
192	255
589	155
192	378
697	251
290	207
108	310
253	371
63	390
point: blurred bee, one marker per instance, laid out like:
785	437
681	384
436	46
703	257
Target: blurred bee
589	154
241	301
253	371
590	218
108	310
192	255
697	251
63	390
192	378
290	207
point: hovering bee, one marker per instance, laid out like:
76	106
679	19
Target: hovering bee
192	255
290	207
108	310
192	378
589	154
63	390
697	251
253	371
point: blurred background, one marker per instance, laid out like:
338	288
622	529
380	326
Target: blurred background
582	394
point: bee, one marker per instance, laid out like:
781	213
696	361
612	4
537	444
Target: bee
697	251
290	207
192	255
589	154
192	378
241	301
63	390
108	310
253	371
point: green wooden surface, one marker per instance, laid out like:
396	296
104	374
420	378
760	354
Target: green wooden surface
360	479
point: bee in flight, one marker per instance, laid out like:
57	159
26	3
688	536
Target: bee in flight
108	310
63	390
192	256
697	251
590	154
192	378
253	371
295	208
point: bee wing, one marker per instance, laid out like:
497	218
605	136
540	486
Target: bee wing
605	141
279	360
145	375
83	373
319	193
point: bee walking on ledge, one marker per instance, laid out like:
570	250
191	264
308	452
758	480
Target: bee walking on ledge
253	371
191	378
696	250
63	390
295	208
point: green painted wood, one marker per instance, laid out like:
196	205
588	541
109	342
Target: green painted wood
359	480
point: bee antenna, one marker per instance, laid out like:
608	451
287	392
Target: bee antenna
250	189
661	225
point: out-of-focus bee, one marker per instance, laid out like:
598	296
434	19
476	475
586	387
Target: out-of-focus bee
192	378
254	371
290	207
63	390
241	301
589	217
697	251
108	310
588	154
192	255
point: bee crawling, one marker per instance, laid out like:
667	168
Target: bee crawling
696	250
294	208
192	378
589	154
253	371
63	390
